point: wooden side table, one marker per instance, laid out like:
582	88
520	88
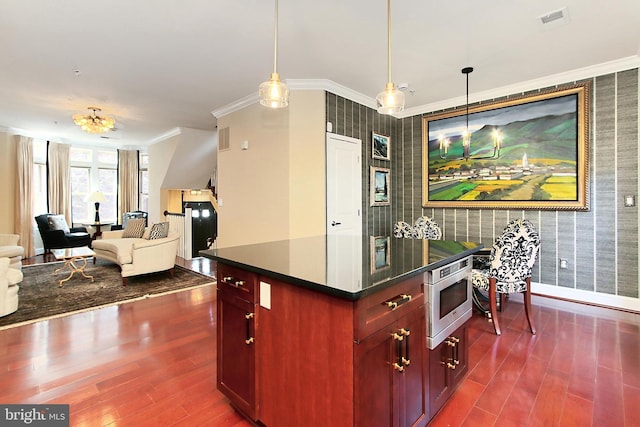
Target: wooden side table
97	226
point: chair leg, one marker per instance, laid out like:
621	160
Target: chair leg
492	305
527	306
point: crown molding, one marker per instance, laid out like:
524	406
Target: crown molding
169	134
299	84
553	80
343	91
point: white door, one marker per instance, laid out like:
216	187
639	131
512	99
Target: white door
344	210
344	185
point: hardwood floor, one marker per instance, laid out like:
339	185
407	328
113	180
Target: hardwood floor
152	363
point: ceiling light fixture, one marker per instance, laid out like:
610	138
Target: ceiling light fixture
449	148
390	100
273	93
93	123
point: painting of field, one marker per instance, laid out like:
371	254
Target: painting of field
520	152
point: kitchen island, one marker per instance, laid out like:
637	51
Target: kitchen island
328	330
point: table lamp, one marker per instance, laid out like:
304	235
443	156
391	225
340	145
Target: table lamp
96	197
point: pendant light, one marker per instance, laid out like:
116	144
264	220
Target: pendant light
273	93
391	99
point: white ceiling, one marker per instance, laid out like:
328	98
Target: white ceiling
155	65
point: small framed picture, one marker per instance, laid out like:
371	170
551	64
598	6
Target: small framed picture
380	186
380	146
380	253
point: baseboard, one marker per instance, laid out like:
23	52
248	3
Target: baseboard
581	307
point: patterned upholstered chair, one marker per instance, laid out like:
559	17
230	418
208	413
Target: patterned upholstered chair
513	256
402	229
424	228
427	228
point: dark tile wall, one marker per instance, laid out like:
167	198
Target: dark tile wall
601	245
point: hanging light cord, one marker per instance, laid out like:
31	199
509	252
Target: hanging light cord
275	50
467	103
389	38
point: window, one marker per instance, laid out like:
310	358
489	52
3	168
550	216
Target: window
93	169
143	200
39	204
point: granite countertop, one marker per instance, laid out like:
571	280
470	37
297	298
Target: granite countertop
345	266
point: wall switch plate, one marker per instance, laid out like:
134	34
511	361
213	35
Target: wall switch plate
265	295
564	263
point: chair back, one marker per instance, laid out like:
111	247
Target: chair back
427	229
43	222
513	255
133	215
403	229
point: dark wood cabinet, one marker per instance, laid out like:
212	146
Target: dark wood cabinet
309	358
236	354
448	363
390	374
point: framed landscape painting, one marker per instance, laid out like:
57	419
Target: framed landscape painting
529	152
380	146
380	253
379	186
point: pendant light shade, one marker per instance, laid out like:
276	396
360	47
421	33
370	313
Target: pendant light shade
273	93
391	99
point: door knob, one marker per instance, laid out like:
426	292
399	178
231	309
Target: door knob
333	223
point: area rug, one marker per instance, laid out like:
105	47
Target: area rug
41	298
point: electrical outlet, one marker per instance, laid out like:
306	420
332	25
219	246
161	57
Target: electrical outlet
564	263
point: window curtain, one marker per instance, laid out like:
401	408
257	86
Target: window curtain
127	181
59	180
24	222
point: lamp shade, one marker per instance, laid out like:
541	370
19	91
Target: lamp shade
390	100
273	93
96	196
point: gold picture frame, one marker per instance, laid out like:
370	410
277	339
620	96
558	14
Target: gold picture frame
380	186
527	152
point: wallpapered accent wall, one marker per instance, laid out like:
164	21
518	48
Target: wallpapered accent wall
601	245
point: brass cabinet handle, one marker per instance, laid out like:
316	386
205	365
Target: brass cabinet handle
249	339
234	282
406	360
398	301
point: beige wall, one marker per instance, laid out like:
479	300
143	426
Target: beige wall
307	164
274	190
160	155
8	180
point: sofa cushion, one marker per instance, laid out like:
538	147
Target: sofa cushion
57	222
11	251
121	248
134	228
159	231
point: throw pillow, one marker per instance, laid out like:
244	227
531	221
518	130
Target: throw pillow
57	222
134	228
159	231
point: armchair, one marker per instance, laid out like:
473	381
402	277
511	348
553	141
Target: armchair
9	280
513	256
56	234
9	248
130	215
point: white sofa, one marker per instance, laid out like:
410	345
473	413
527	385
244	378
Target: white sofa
137	255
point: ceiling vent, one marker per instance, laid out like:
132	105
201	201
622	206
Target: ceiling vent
555	18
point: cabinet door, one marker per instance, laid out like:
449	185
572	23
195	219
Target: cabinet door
413	381
447	366
391	377
236	351
461	352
